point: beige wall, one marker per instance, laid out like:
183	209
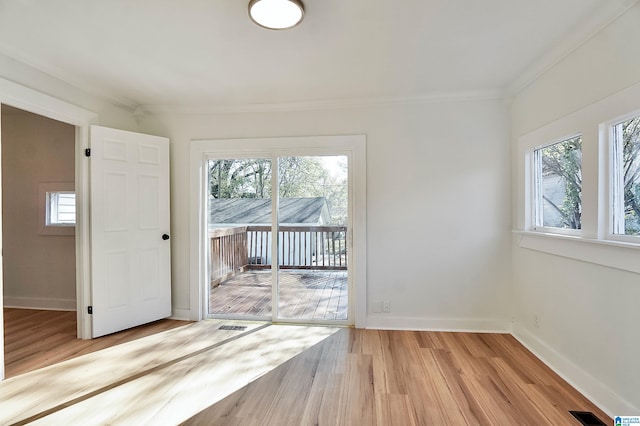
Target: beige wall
588	314
39	270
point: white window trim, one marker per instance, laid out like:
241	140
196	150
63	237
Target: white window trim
595	242
614	254
535	200
44	228
52	216
608	140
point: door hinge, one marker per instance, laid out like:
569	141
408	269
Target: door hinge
90	310
87	152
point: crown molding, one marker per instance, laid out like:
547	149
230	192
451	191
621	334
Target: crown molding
311	105
597	22
71	80
329	104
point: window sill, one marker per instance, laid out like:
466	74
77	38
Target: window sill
613	254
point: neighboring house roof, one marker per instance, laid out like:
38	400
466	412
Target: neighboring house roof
258	210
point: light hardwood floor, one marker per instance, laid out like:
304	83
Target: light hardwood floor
199	374
370	377
162	379
34	339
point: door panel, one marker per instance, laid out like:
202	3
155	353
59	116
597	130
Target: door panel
239	212
129	214
312	273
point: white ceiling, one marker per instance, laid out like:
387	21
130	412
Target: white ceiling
208	53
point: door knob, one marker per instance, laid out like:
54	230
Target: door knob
165	236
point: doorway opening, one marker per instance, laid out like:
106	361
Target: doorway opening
38	103
38	220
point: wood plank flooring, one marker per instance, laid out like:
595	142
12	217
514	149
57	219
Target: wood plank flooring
34	339
158	380
279	375
370	377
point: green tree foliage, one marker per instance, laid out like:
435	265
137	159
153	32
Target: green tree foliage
246	178
564	160
631	170
298	177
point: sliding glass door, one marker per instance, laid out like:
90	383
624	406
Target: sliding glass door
278	238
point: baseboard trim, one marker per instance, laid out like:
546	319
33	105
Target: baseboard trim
181	314
594	390
40	303
385	322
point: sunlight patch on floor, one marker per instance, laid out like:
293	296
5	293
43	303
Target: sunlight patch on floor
183	371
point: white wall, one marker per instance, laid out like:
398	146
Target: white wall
438	182
588	313
39	270
605	64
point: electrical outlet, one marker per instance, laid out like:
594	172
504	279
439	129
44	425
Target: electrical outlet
536	320
386	306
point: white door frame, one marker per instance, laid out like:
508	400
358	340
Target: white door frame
352	145
33	101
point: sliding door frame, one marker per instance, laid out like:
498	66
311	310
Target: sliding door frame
351	146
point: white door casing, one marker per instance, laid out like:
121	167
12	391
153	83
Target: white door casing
130	250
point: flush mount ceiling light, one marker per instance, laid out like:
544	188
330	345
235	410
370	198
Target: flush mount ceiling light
276	14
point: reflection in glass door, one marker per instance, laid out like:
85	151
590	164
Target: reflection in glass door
239	213
312	238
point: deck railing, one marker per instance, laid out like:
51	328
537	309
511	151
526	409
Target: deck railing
299	247
228	252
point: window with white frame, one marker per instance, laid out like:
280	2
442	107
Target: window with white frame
57	208
558	184
61	208
602	165
625	175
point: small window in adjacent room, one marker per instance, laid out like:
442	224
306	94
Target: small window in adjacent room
626	177
558	184
57	208
61	208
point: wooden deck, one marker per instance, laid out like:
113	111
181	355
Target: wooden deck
315	295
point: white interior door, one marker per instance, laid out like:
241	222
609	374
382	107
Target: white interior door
130	249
